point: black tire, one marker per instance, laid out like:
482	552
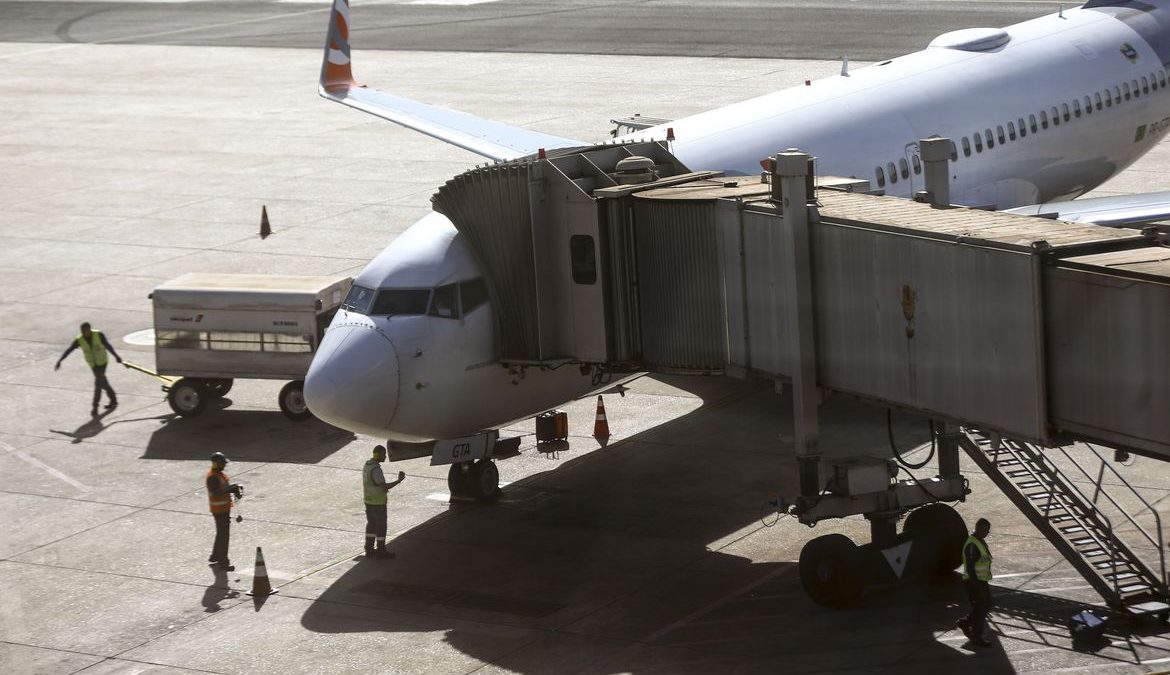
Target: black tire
485	480
219	387
292	401
187	397
459	481
829	571
941	529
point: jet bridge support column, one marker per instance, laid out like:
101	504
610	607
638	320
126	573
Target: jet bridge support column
790	246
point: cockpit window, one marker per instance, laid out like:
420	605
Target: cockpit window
359	299
445	302
399	301
474	294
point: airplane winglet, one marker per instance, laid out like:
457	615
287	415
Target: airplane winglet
493	140
336	74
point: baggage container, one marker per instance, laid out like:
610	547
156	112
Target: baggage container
552	426
213	328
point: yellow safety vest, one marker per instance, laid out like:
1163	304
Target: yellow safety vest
374	495
95	354
983	564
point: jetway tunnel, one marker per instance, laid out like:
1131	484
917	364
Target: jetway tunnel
1037	329
1025	331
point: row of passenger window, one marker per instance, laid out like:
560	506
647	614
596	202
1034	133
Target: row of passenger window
450	301
1106	98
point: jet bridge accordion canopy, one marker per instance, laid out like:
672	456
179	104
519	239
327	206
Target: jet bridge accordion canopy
541	236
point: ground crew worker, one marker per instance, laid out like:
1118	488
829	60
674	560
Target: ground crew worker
219	497
94	346
374	488
976	577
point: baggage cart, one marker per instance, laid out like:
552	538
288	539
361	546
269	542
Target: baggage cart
211	329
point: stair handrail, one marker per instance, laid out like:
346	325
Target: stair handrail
1159	543
1048	473
1054	472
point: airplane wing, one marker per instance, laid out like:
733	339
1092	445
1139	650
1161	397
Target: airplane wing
1117	211
484	137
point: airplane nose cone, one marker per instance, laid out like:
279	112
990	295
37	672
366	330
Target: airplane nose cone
353	380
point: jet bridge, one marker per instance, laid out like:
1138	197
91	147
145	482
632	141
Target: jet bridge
618	258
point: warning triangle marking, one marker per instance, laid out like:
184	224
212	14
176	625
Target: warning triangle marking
897	556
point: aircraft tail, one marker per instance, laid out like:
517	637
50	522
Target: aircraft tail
484	137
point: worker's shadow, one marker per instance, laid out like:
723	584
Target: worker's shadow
218	591
88	429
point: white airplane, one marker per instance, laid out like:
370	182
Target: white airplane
1038	112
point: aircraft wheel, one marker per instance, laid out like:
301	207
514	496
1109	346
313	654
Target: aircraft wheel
485	480
459	480
829	570
292	401
187	397
942	528
218	387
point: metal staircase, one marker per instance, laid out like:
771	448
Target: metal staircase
1075	523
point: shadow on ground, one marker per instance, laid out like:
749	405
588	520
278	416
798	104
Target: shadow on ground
252	435
644	556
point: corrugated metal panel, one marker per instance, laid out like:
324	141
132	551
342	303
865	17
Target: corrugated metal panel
490	206
680	286
1109	362
624	331
767	336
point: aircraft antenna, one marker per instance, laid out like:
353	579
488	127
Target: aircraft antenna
844	66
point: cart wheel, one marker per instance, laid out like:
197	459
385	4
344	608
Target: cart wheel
187	397
292	401
219	387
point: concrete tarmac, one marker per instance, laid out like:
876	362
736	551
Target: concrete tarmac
859	29
126	165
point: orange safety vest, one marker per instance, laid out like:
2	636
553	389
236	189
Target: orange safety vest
221	503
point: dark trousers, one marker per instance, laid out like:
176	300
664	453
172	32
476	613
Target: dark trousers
100	383
223	531
979	593
375	526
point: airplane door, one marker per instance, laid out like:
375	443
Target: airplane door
914	164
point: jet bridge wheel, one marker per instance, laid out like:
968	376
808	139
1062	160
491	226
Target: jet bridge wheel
187	397
292	401
943	531
830	570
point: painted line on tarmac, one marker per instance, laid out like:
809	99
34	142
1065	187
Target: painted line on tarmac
44	467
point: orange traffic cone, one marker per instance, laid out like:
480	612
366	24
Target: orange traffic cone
260	585
601	426
265	228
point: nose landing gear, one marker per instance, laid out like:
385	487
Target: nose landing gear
478	480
